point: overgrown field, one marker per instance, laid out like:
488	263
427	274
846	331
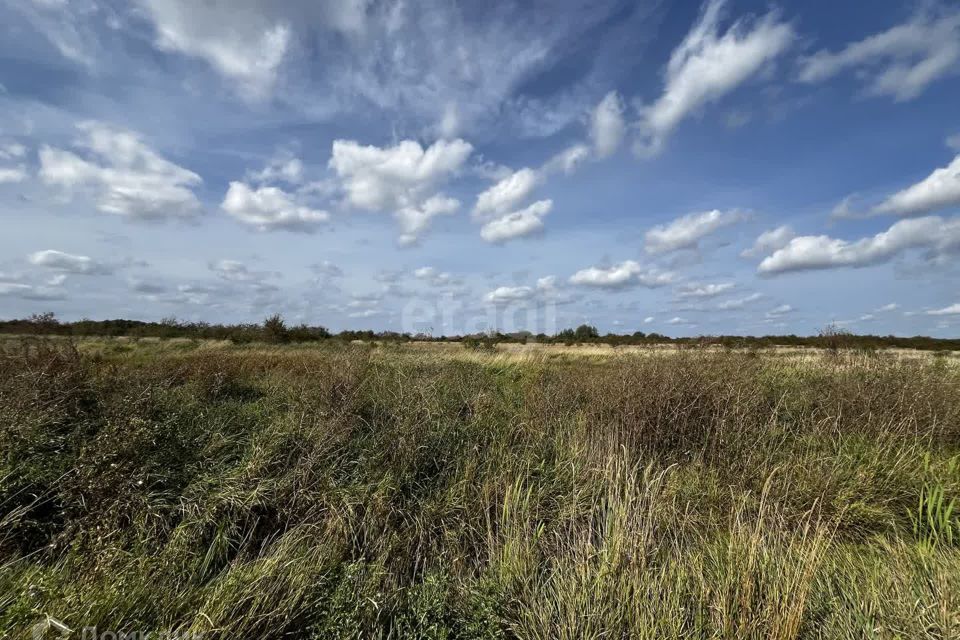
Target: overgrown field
354	491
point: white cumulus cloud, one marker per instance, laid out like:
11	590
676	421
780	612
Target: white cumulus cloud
414	219
952	310
434	277
123	174
387	178
502	295
709	290
517	224
269	209
939	190
507	194
739	303
68	263
402	179
709	64
769	241
625	274
938	236
546	290
687	231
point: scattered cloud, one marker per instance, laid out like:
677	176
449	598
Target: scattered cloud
517	224
687	231
270	209
419	87
147	288
547	283
622	275
69	263
12	151
196	294
124	175
236	271
365	313
424	272
415	219
433	276
442	66
546	290
769	241
779	312
952	310
709	64
845	208
327	269
61	23
938	236
607	126
502	295
737	118
246	45
387	178
30	292
401	179
10	175
507	194
568	160
939	190
282	167
900	62
739	303
711	290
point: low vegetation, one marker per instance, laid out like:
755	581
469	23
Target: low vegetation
337	490
274	330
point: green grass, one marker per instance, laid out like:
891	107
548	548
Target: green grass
346	491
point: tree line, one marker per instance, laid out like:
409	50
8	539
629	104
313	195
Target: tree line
275	330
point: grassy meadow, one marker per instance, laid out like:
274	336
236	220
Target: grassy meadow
207	490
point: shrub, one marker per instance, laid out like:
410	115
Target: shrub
274	329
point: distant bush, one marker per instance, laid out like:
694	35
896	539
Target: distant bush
479	343
274	329
833	338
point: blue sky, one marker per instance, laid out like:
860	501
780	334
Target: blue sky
688	168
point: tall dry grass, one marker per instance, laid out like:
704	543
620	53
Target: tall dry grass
348	491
